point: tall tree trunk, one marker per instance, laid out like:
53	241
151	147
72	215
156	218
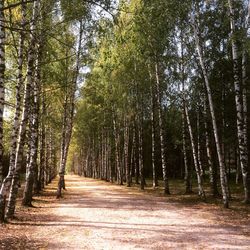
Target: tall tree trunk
241	122
61	183
18	133
136	153
68	117
42	145
26	112
126	152
211	166
153	138
2	80
223	177
19	152
160	120
32	167
188	183
245	76
34	79
140	138
196	164
130	154
199	144
237	163
117	159
188	171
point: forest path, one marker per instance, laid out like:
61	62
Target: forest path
98	215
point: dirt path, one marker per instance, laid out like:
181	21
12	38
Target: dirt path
98	215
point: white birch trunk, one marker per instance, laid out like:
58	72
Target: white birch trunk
160	120
241	122
223	177
2	80
155	181
211	166
199	144
196	164
184	146
25	115
69	110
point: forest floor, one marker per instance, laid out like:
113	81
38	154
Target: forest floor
98	215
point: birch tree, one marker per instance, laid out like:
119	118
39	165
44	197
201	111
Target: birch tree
2	81
223	177
69	109
241	104
25	116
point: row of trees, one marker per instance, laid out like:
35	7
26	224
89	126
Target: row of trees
166	96
41	51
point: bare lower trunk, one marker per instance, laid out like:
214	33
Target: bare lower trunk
32	164
19	153
141	163
153	138
160	120
237	163
136	155
117	157
126	152
199	145
188	183
196	165
42	147
211	166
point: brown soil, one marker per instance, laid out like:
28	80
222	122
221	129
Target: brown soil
98	215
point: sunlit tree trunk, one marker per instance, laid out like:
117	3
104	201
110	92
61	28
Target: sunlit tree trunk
19	129
19	151
199	144
32	168
126	152
188	170
223	177
69	108
160	120
2	80
241	104
141	163
188	183
196	164
42	145
117	158
130	154
241	122
244	75
153	136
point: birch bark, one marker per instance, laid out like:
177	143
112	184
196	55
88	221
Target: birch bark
68	117
196	164
239	101
2	80
223	177
25	115
160	120
211	166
